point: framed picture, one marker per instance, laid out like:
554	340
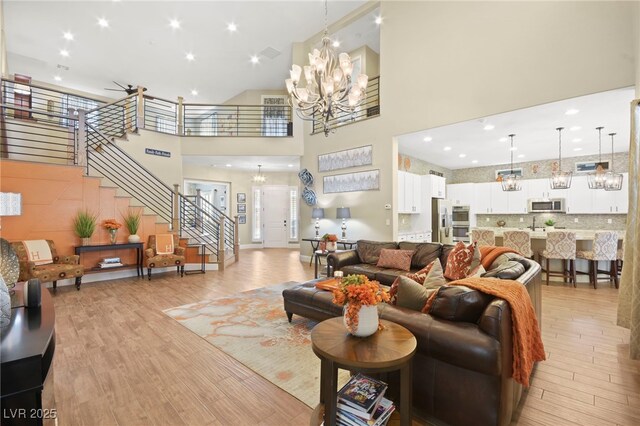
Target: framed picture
242	219
590	166
355	157
242	208
351	182
241	197
505	172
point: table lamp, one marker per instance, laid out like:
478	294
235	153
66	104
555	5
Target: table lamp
343	213
317	214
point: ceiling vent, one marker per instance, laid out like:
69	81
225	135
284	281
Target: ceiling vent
270	53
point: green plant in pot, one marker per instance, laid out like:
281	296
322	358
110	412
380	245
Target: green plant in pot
132	222
84	225
549	224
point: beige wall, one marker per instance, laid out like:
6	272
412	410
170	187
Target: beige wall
370	61
466	60
3	44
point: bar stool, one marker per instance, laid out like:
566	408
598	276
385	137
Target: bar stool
605	248
620	259
484	237
561	245
519	241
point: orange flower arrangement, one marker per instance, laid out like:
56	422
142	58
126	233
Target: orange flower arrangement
111	224
358	291
331	238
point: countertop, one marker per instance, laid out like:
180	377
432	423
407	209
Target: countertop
540	234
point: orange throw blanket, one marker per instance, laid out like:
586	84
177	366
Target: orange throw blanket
527	340
490	253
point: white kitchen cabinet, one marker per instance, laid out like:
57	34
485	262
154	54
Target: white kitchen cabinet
622	196
461	194
612	202
499	199
409	193
483	198
517	200
579	196
438	186
541	188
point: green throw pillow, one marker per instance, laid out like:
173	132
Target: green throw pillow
412	295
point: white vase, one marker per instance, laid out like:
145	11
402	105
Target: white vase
367	321
134	238
332	246
549	228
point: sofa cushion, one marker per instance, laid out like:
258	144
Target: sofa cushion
365	269
430	275
459	303
444	255
462	260
504	257
411	294
425	253
396	259
369	251
388	276
509	270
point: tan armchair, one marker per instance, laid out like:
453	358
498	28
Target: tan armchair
60	268
163	251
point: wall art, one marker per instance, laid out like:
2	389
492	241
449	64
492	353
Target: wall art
241	197
309	196
355	157
305	177
350	182
242	219
242	208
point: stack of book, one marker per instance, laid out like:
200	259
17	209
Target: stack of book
110	262
361	402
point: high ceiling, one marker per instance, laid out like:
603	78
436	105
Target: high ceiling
468	144
140	47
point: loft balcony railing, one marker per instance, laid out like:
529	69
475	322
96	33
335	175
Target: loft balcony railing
237	120
370	108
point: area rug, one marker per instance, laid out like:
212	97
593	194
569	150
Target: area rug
252	327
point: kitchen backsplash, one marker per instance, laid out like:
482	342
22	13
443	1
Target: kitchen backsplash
585	221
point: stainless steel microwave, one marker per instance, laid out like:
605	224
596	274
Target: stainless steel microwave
552	205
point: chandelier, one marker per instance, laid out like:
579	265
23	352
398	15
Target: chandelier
259	178
560	179
511	182
612	180
596	179
330	88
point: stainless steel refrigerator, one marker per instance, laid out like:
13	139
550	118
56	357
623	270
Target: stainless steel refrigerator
441	221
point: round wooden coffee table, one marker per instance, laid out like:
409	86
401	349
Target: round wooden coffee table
387	350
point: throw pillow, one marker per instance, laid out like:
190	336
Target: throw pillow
164	244
461	261
430	277
412	295
369	251
38	252
396	259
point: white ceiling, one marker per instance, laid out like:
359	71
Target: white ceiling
536	138
139	47
247	163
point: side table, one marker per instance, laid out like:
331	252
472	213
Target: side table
202	270
317	255
389	349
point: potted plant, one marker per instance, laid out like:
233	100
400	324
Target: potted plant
330	241
84	225
360	298
132	223
549	225
112	226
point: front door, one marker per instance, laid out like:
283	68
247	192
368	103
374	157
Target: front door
276	214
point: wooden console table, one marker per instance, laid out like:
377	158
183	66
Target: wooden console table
102	247
27	346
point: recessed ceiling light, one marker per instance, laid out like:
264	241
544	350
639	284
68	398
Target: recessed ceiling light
572	111
378	20
489	127
289	165
462	155
575	128
194	92
228	165
68	36
103	23
474	161
64	53
255	59
57	78
336	43
447	148
427	139
503	139
513	148
190	57
520	155
232	27
175	24
577	149
576	140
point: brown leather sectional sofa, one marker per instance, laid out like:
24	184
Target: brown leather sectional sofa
463	366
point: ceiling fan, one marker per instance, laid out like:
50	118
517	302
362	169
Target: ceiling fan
129	90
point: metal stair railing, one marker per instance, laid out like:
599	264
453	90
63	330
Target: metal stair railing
116	118
210	211
197	225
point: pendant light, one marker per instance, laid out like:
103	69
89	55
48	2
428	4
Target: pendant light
560	179
613	180
596	178
511	182
259	178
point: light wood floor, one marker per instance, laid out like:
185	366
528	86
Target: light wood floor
120	360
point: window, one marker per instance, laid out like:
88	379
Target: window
274	116
209	125
256	225
293	214
76	102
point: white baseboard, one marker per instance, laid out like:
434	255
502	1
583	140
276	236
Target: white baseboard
251	246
